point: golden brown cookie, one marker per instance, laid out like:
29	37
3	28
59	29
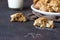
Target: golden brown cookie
19	17
43	22
47	5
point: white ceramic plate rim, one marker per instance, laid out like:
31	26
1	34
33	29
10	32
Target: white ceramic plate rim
43	12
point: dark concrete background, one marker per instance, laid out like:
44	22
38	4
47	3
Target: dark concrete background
17	30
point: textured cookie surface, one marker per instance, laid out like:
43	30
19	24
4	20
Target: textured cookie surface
43	22
18	17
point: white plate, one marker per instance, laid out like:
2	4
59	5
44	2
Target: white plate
45	13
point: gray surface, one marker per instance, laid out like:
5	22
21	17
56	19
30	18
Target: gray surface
17	30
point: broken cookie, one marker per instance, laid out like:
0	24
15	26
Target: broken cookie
43	22
19	17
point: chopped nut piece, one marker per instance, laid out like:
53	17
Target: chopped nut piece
19	17
50	24
43	22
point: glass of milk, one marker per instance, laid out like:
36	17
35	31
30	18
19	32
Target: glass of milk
15	4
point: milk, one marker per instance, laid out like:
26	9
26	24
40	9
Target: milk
15	4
